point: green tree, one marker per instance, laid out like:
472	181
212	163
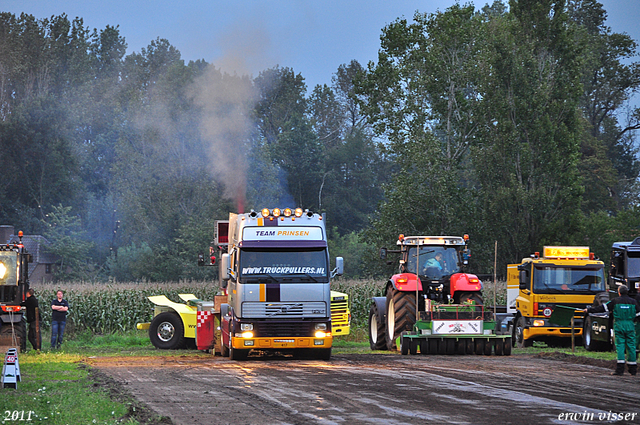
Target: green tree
67	243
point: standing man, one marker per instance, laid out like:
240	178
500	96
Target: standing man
33	319
625	310
60	307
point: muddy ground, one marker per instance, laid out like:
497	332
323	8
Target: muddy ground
373	389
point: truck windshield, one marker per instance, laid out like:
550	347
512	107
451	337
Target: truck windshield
633	265
434	261
8	268
285	264
559	280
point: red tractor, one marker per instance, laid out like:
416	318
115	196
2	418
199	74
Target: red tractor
432	270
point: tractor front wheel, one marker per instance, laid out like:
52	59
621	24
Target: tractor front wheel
401	315
376	329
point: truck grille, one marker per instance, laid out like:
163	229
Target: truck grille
284	310
283	329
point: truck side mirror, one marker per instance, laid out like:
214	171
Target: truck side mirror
224	267
524	279
339	270
383	253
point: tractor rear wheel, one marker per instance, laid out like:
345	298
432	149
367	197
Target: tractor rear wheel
401	315
376	329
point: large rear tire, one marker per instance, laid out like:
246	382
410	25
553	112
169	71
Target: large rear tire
20	330
377	339
401	315
166	331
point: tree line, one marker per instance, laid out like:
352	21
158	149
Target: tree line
508	122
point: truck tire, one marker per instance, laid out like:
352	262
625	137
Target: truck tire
236	354
519	334
433	346
401	315
479	346
587	339
499	348
376	329
424	346
166	331
469	348
488	347
20	329
322	353
450	346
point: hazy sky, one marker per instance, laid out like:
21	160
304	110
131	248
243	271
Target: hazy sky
312	37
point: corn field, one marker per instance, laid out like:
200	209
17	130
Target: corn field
108	308
117	307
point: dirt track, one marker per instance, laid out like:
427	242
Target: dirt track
378	389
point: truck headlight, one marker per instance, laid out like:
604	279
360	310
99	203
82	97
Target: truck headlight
538	323
321	326
247	334
246	326
321	334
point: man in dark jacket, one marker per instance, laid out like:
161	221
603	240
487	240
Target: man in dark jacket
33	319
60	307
625	310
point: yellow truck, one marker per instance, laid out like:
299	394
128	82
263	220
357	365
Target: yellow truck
569	276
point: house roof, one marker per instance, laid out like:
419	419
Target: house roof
35	245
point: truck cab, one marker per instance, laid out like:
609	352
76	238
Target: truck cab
625	266
563	275
277	277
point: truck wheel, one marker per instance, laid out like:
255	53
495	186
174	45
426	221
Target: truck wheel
401	315
413	348
236	354
499	349
587	339
479	346
167	331
376	329
20	329
323	353
461	347
519	334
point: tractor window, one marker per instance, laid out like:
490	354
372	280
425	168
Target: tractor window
633	264
560	280
8	268
434	261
